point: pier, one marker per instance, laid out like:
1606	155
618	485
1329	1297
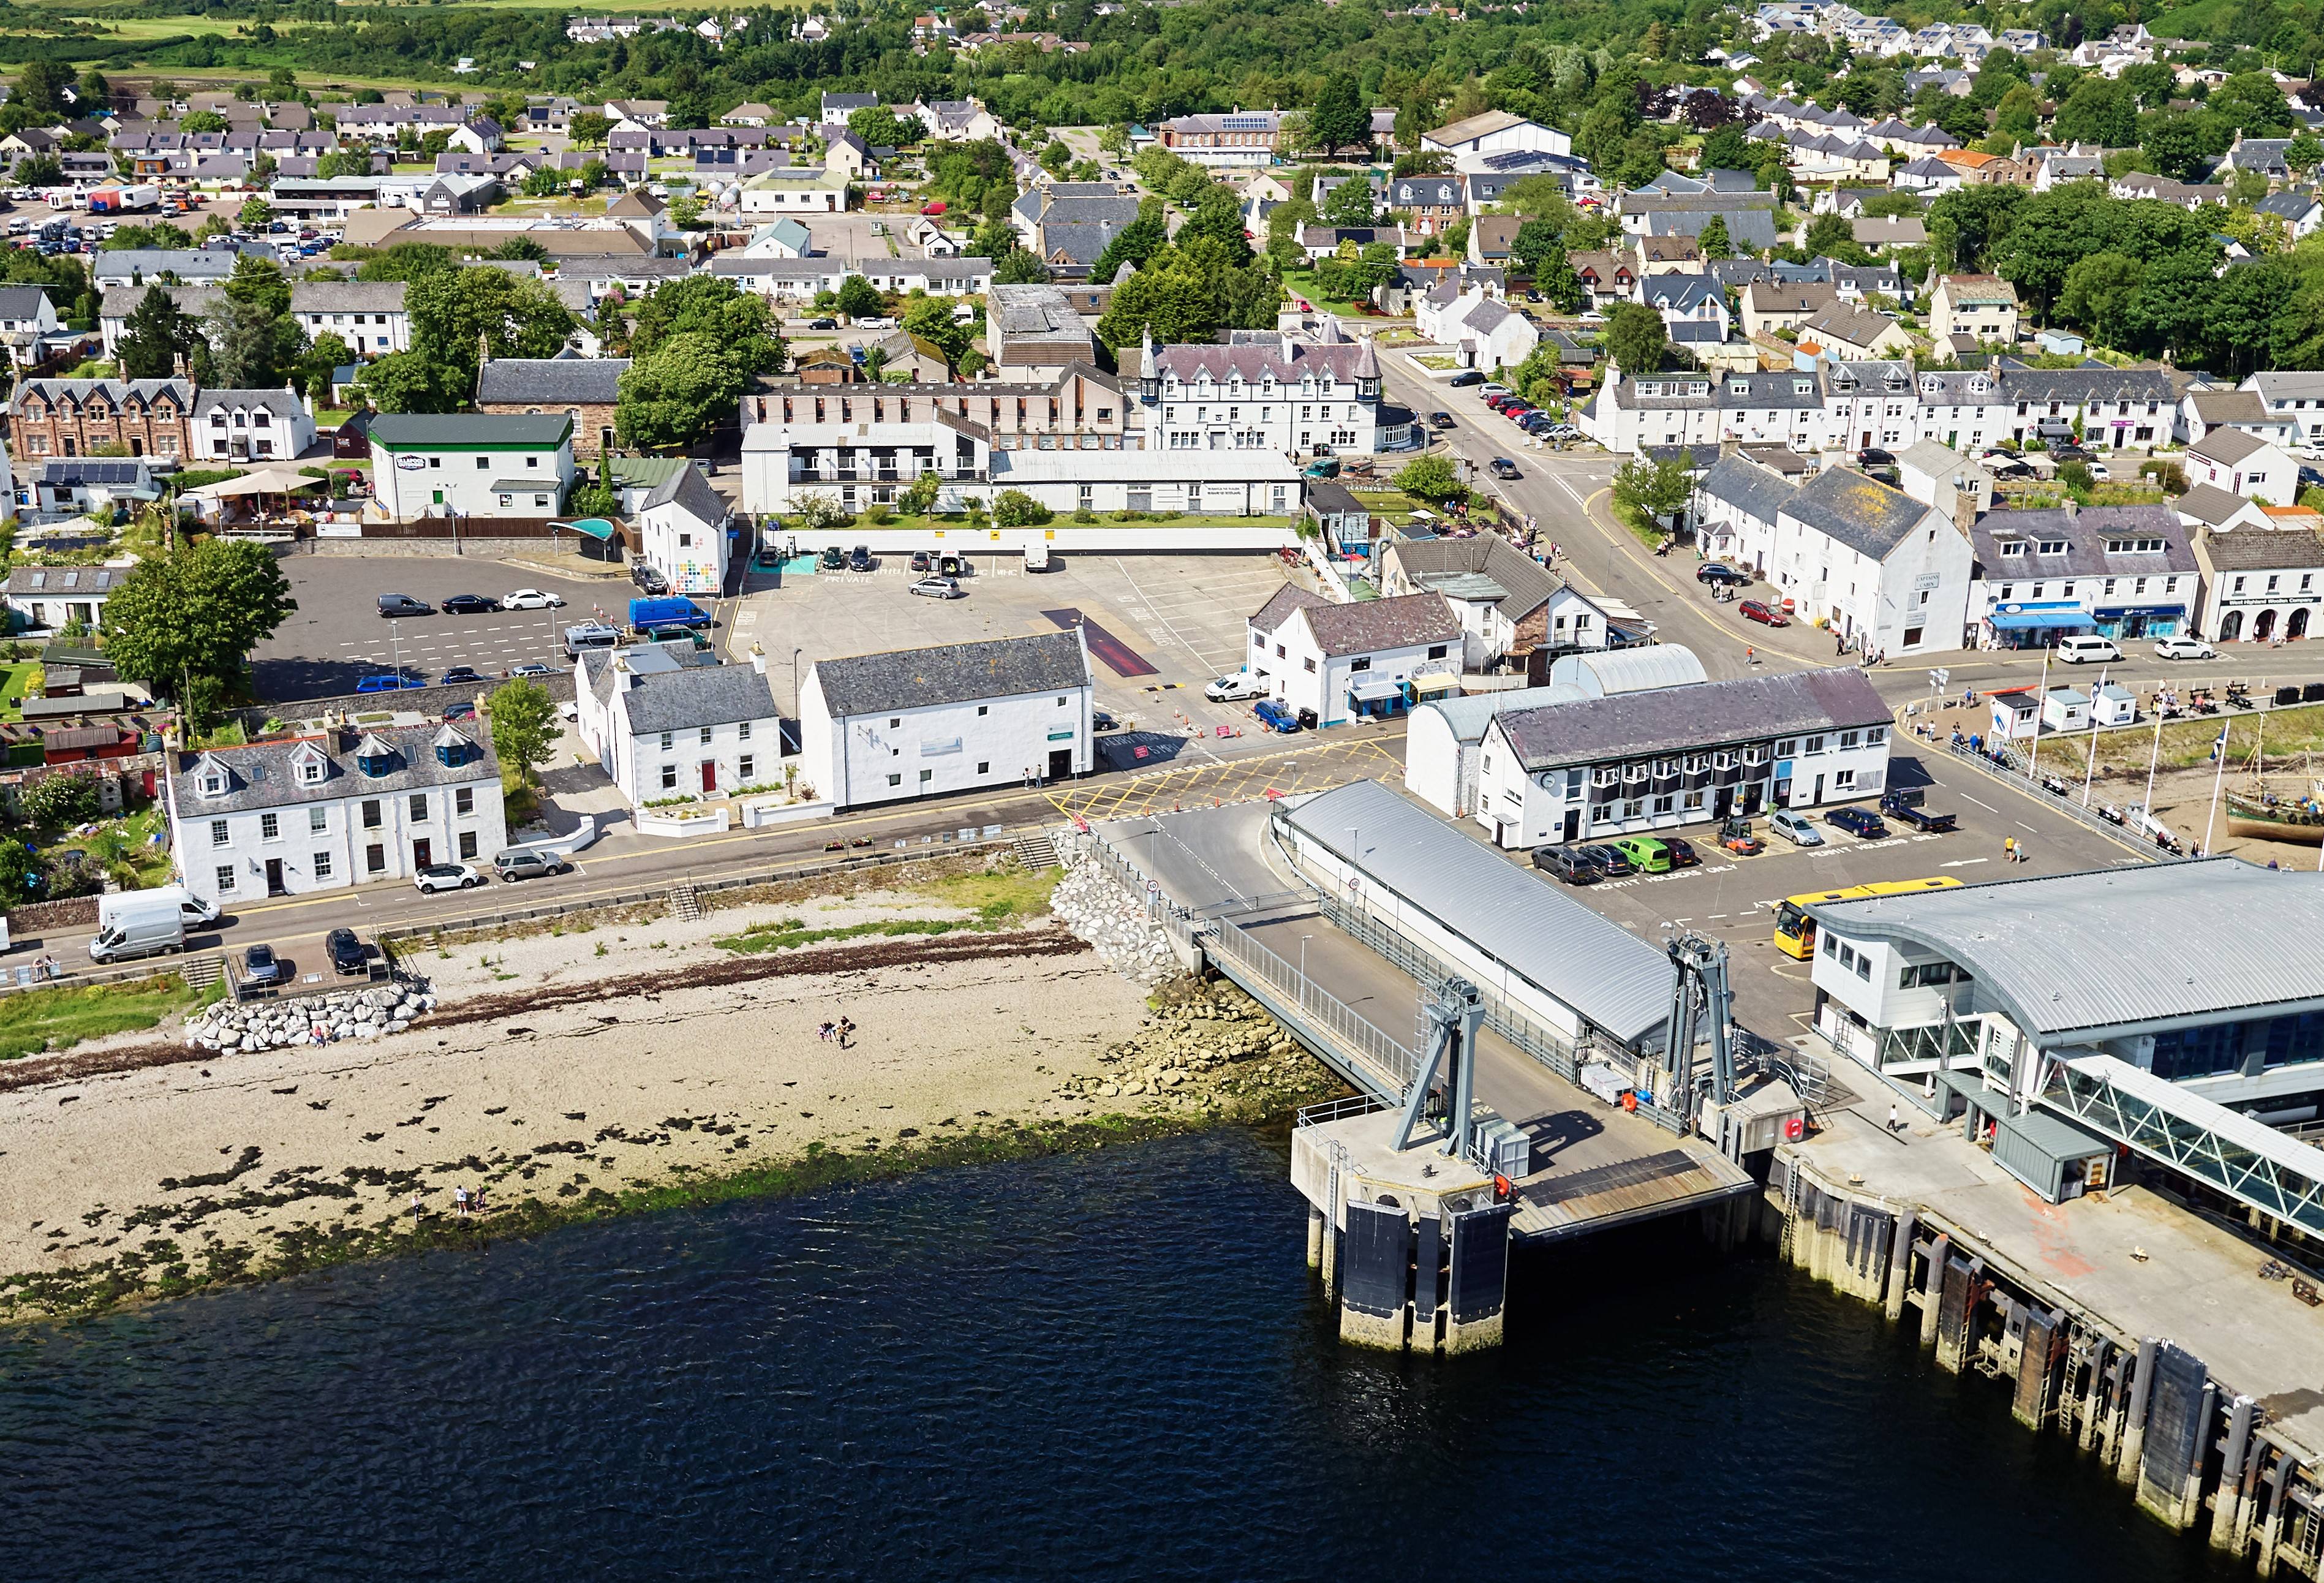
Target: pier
1336	938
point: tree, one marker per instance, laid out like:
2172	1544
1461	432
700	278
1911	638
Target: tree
1652	492
525	727
459	315
21	879
407	261
1634	338
2151	83
195	614
1013	508
39	170
522	248
59	801
1536	242
2100	292
1969	223
2018	116
2252	104
1019	265
408	382
1727	149
1713	239
1340	117
324	356
547	181
589	129
258	283
202	121
96	93
1133	245
2098	112
254	215
676	394
919	497
156	334
250	348
2304	152
742	321
1350	203
1429	477
880	128
859	298
1056	157
1557	282
1832	236
41	88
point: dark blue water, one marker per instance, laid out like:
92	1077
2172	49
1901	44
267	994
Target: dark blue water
1105	1366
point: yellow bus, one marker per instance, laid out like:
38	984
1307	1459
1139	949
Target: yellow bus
1795	930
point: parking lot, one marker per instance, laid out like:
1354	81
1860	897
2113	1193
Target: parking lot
1732	898
337	636
1180	615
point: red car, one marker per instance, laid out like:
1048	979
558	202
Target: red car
1764	615
1498	401
1515	412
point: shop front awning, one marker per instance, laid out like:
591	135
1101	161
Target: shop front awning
2116	612
1374	690
1435	682
593	527
2028	620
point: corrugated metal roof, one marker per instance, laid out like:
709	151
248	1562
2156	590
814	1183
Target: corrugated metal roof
2081	955
1617	981
1642	668
1467	717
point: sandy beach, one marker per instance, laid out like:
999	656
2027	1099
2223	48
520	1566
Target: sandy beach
548	1096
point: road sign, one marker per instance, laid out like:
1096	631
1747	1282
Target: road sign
1937	678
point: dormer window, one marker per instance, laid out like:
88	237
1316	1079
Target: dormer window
213	784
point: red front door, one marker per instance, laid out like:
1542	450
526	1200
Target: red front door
710	774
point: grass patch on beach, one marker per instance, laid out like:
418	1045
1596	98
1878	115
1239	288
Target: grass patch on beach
2188	743
996	900
34	1021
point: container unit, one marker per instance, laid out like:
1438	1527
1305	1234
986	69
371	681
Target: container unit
2051	1155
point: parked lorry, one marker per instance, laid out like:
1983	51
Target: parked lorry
125	199
137	923
668	614
1906	805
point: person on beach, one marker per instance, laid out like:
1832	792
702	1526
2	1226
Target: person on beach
460	1201
846	1033
2009	849
415	1205
826	1032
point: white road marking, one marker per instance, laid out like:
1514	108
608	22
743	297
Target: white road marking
1986	806
1964	862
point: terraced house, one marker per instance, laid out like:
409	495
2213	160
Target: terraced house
84	417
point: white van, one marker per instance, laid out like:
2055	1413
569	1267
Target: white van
150	926
2081	650
195	912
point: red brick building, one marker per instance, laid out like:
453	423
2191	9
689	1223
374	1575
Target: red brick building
92	417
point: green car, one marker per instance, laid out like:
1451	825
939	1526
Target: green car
1647	853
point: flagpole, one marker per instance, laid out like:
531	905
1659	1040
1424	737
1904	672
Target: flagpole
2090	769
2153	758
2218	775
2041	702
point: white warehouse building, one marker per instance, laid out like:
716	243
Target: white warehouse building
922	722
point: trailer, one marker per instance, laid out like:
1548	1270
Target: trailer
125	199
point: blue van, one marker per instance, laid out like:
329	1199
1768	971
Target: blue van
1276	715
388	683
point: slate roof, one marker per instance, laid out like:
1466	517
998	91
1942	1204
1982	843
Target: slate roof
1343	360
2226	446
1525	583
1844	321
2266	551
1374	626
952	673
457	429
2229	406
1279	606
1692	720
1782	297
2211	504
692	696
47	582
1755	491
262	776
689	490
2087	534
1868	517
554	382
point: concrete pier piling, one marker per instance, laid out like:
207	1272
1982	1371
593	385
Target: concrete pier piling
2226	1512
1933	1287
2133	1423
1900	1266
1315	1237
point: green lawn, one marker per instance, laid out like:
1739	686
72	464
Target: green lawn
12	681
36	1020
994	899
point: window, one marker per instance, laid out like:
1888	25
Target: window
983	708
311	772
1843	780
484	464
669	777
463	800
744	765
419	805
322	861
375	858
371	814
895	780
318	820
984	767
1850	738
668	741
217	832
1061	703
226	876
1875	737
1436	651
743	730
468	845
1815	745
270	826
926	776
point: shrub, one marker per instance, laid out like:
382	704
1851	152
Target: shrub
60	800
1013	508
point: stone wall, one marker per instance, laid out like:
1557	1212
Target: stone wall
313	1019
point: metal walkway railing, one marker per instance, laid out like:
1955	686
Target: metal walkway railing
1366	1056
2247	1160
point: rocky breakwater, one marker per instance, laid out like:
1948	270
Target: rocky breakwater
1207	1046
318	1019
1092	904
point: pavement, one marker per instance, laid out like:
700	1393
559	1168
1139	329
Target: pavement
338	636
